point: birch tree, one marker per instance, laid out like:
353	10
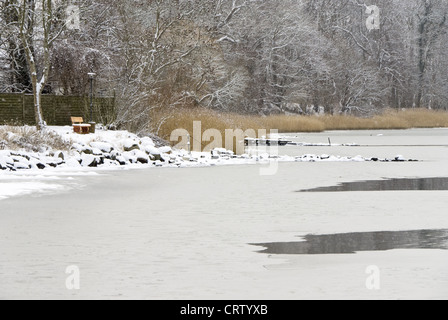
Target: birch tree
39	24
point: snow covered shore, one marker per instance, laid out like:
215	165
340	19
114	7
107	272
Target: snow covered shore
115	149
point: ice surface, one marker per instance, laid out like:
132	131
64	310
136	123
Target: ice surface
10	189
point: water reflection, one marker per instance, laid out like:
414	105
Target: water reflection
350	243
423	184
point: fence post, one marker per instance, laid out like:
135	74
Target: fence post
114	108
23	109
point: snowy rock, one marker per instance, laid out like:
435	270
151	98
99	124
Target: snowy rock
97	152
158	163
121	160
40	166
21	165
82	148
141	156
16	158
358	159
100	160
103	146
130	145
172	159
151	150
109	163
20	155
74	155
87	150
51	162
78	147
72	163
147	141
114	155
130	157
3	165
60	155
88	160
58	161
35	163
307	158
167	150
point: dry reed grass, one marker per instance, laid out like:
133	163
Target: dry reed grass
390	119
31	140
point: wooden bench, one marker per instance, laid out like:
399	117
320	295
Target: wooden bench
80	127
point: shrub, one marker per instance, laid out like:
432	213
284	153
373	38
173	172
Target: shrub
29	139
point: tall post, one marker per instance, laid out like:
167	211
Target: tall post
91	100
91	76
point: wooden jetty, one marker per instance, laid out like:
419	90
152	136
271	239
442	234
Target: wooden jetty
266	142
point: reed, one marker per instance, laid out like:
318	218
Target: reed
209	119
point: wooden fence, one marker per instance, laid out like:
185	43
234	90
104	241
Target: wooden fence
57	110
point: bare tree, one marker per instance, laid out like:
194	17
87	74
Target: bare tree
13	59
38	25
431	25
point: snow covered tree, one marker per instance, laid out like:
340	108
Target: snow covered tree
38	24
12	55
431	24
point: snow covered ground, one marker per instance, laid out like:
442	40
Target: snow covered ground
185	233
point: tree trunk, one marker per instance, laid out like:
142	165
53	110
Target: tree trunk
27	30
40	123
37	93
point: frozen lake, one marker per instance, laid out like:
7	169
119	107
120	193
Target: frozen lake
187	233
